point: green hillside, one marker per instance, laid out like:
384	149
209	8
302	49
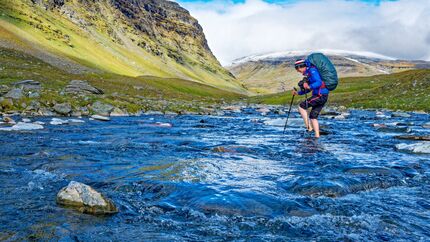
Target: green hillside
128	93
141	38
407	90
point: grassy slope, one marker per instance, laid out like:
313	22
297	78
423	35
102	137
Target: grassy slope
119	89
53	33
407	90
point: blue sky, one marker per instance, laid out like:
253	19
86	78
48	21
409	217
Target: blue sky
237	28
377	2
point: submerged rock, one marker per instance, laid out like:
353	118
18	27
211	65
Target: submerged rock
164	125
400	115
232	149
392	129
85	199
413	137
280	122
420	147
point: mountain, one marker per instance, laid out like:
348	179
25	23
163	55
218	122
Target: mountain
124	37
271	73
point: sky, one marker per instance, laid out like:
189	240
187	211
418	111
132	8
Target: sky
238	28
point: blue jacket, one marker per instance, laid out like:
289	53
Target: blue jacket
315	81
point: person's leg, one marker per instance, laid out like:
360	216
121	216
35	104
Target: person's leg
303	112
316	127
317	106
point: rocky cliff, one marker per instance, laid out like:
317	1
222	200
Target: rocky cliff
129	37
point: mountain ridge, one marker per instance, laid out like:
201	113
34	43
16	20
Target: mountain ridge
274	72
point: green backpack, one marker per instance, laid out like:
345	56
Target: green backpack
326	69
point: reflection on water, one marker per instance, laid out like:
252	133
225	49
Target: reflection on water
223	178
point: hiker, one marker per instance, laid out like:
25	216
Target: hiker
312	82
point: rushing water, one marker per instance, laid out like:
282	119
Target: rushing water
217	178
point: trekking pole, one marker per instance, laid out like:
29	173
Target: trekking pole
307	114
289	111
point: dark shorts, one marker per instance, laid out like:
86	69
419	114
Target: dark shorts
316	103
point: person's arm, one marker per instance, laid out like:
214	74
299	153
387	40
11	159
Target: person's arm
317	81
303	93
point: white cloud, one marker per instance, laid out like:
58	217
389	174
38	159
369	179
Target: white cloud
394	28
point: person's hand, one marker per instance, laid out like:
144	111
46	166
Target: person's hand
306	85
294	92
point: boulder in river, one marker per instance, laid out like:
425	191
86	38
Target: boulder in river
82	87
21	126
9	120
100	118
85	199
419	147
57	121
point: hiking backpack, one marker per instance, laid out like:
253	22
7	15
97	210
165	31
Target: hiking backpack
325	68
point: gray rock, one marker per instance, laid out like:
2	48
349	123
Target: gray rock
8	120
84	111
100	118
63	108
82	87
117	112
85	199
21	126
57	121
15	93
426	125
76	114
102	108
419	147
33	106
263	110
4	89
33	95
45	112
28	85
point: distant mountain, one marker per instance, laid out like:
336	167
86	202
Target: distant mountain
127	37
274	72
